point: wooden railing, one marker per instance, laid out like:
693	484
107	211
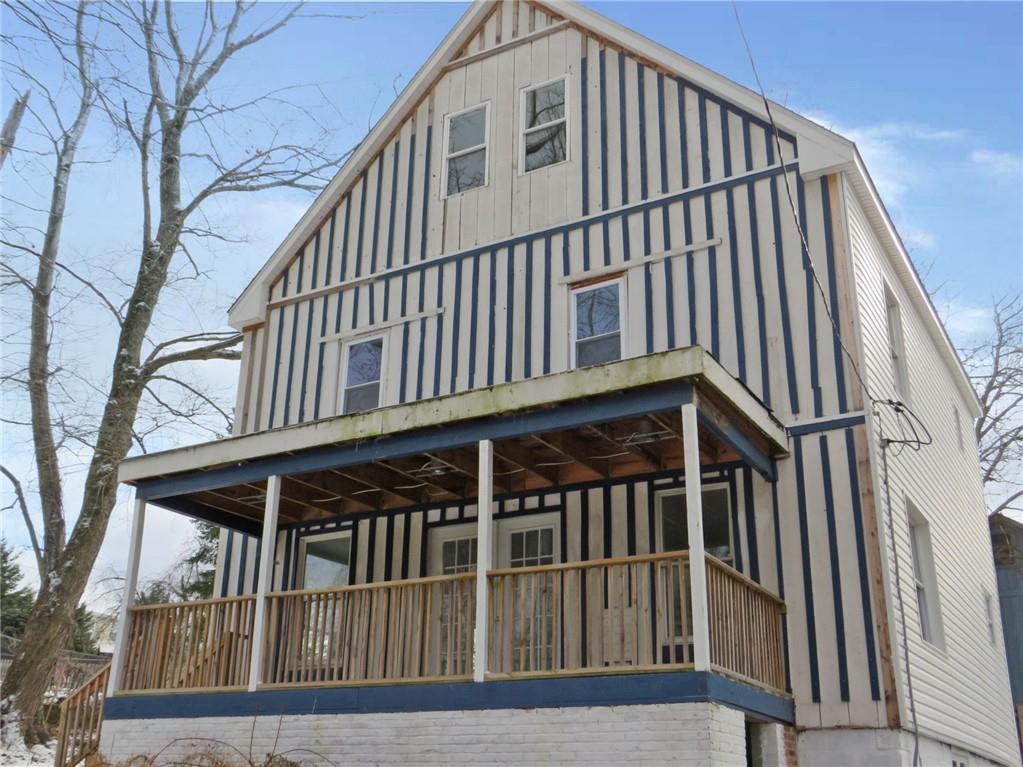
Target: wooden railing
189	645
399	630
629	613
745	627
81	715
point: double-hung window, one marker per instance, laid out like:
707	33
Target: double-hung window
363	371
465	144
924	580
598	313
544	125
896	343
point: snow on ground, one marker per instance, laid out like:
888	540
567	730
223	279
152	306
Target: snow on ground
13	752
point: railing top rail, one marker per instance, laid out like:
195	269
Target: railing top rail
379	585
731	572
89	681
195	603
590	563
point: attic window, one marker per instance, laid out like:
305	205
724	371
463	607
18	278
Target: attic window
544	125
465	143
362	375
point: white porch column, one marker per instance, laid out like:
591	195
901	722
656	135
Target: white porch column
484	551
694	520
131	582
267	550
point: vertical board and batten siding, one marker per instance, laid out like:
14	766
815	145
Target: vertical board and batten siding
960	683
470	291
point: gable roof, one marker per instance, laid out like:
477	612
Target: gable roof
820	151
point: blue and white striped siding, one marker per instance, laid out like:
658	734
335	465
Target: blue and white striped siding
504	308
655	163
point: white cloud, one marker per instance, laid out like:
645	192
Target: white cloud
916	238
965	322
994	163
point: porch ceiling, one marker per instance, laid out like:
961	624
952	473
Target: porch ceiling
613	420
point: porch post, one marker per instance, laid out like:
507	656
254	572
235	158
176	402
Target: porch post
484	513
694	521
131	582
267	548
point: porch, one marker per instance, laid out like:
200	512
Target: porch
493	617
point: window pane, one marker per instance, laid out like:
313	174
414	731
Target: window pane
596	311
545	104
532	538
674	532
545	147
716	534
467	130
364	360
516	546
326	563
605	349
362	398
715	524
467	172
547	542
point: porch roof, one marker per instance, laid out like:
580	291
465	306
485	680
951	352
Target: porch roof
609	420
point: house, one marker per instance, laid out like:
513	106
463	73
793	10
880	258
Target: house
1007	545
557	443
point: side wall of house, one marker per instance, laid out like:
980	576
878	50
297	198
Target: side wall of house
474	290
959	681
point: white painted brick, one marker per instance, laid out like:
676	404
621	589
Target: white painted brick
676	734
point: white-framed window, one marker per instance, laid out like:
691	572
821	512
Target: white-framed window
598	322
529	540
544	129
896	343
466	150
362	374
452	549
673	526
924	580
324	560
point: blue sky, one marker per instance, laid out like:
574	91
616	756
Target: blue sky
931	92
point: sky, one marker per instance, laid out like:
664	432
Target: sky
932	93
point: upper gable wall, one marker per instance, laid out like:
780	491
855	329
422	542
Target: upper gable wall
636	133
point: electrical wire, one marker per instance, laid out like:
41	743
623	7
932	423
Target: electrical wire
913	433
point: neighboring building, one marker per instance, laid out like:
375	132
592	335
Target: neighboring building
562	275
1007	545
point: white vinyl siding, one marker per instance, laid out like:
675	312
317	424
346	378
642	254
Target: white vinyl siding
961	688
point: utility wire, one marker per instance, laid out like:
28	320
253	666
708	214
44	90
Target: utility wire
913	433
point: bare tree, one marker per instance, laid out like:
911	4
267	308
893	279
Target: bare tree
995	366
151	81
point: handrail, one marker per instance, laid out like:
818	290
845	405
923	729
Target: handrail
589	563
190	603
746	580
378	585
81	719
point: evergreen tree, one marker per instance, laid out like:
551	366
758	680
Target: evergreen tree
15	599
